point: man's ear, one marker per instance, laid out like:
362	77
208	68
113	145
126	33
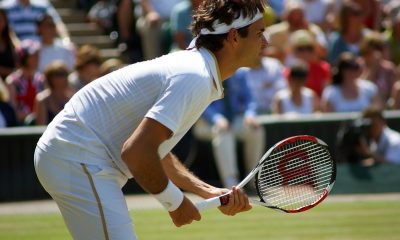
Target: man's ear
233	37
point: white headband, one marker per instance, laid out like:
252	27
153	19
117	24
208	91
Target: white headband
221	28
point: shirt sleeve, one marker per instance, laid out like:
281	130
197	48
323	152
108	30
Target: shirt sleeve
183	96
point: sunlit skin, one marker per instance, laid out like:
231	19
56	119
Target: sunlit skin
246	52
241	51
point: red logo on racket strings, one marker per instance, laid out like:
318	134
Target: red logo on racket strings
299	170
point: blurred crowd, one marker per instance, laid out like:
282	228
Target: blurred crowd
323	56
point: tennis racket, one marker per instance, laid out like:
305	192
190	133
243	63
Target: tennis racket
294	175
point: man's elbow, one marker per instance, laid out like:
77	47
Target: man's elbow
125	152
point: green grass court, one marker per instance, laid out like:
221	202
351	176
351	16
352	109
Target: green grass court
331	220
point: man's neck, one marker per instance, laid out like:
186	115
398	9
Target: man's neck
227	63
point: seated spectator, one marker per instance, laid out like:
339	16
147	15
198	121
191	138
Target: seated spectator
110	65
373	11
23	14
7	47
228	119
24	83
392	33
321	13
294	20
303	47
382	144
7	114
52	50
296	99
350	33
152	26
129	41
103	13
348	92
181	18
264	81
87	67
51	101
394	101
377	69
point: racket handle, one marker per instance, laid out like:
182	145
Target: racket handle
212	202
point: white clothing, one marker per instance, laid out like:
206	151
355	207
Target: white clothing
389	145
69	185
367	91
224	147
315	11
78	158
48	54
265	81
174	90
288	106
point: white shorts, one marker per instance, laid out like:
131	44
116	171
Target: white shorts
89	197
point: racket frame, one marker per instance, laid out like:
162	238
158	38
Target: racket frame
224	199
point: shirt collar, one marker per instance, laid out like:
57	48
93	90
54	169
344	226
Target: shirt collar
213	67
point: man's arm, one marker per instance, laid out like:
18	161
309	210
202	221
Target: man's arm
140	153
186	180
183	178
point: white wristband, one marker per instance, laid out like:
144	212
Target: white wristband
171	197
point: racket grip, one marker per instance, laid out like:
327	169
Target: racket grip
212	202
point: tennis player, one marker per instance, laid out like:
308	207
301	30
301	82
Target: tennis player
123	125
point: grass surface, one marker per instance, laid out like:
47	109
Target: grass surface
350	220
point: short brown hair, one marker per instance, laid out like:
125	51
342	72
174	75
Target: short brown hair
373	112
372	41
87	54
224	11
54	69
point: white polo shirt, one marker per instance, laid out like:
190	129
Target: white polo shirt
174	89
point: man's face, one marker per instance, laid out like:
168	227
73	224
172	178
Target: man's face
251	47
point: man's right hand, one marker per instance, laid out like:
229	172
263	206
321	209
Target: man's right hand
185	213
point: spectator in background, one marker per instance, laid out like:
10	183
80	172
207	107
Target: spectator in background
7	114
23	14
348	92
264	81
7	47
350	33
392	33
373	11
228	119
293	20
51	101
377	69
152	26
24	83
303	46
181	18
394	101
321	13
87	67
103	13
382	143
110	65
296	99
52	50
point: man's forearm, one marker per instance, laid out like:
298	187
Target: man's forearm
183	178
147	170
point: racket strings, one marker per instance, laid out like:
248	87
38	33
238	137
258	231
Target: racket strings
274	176
295	175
